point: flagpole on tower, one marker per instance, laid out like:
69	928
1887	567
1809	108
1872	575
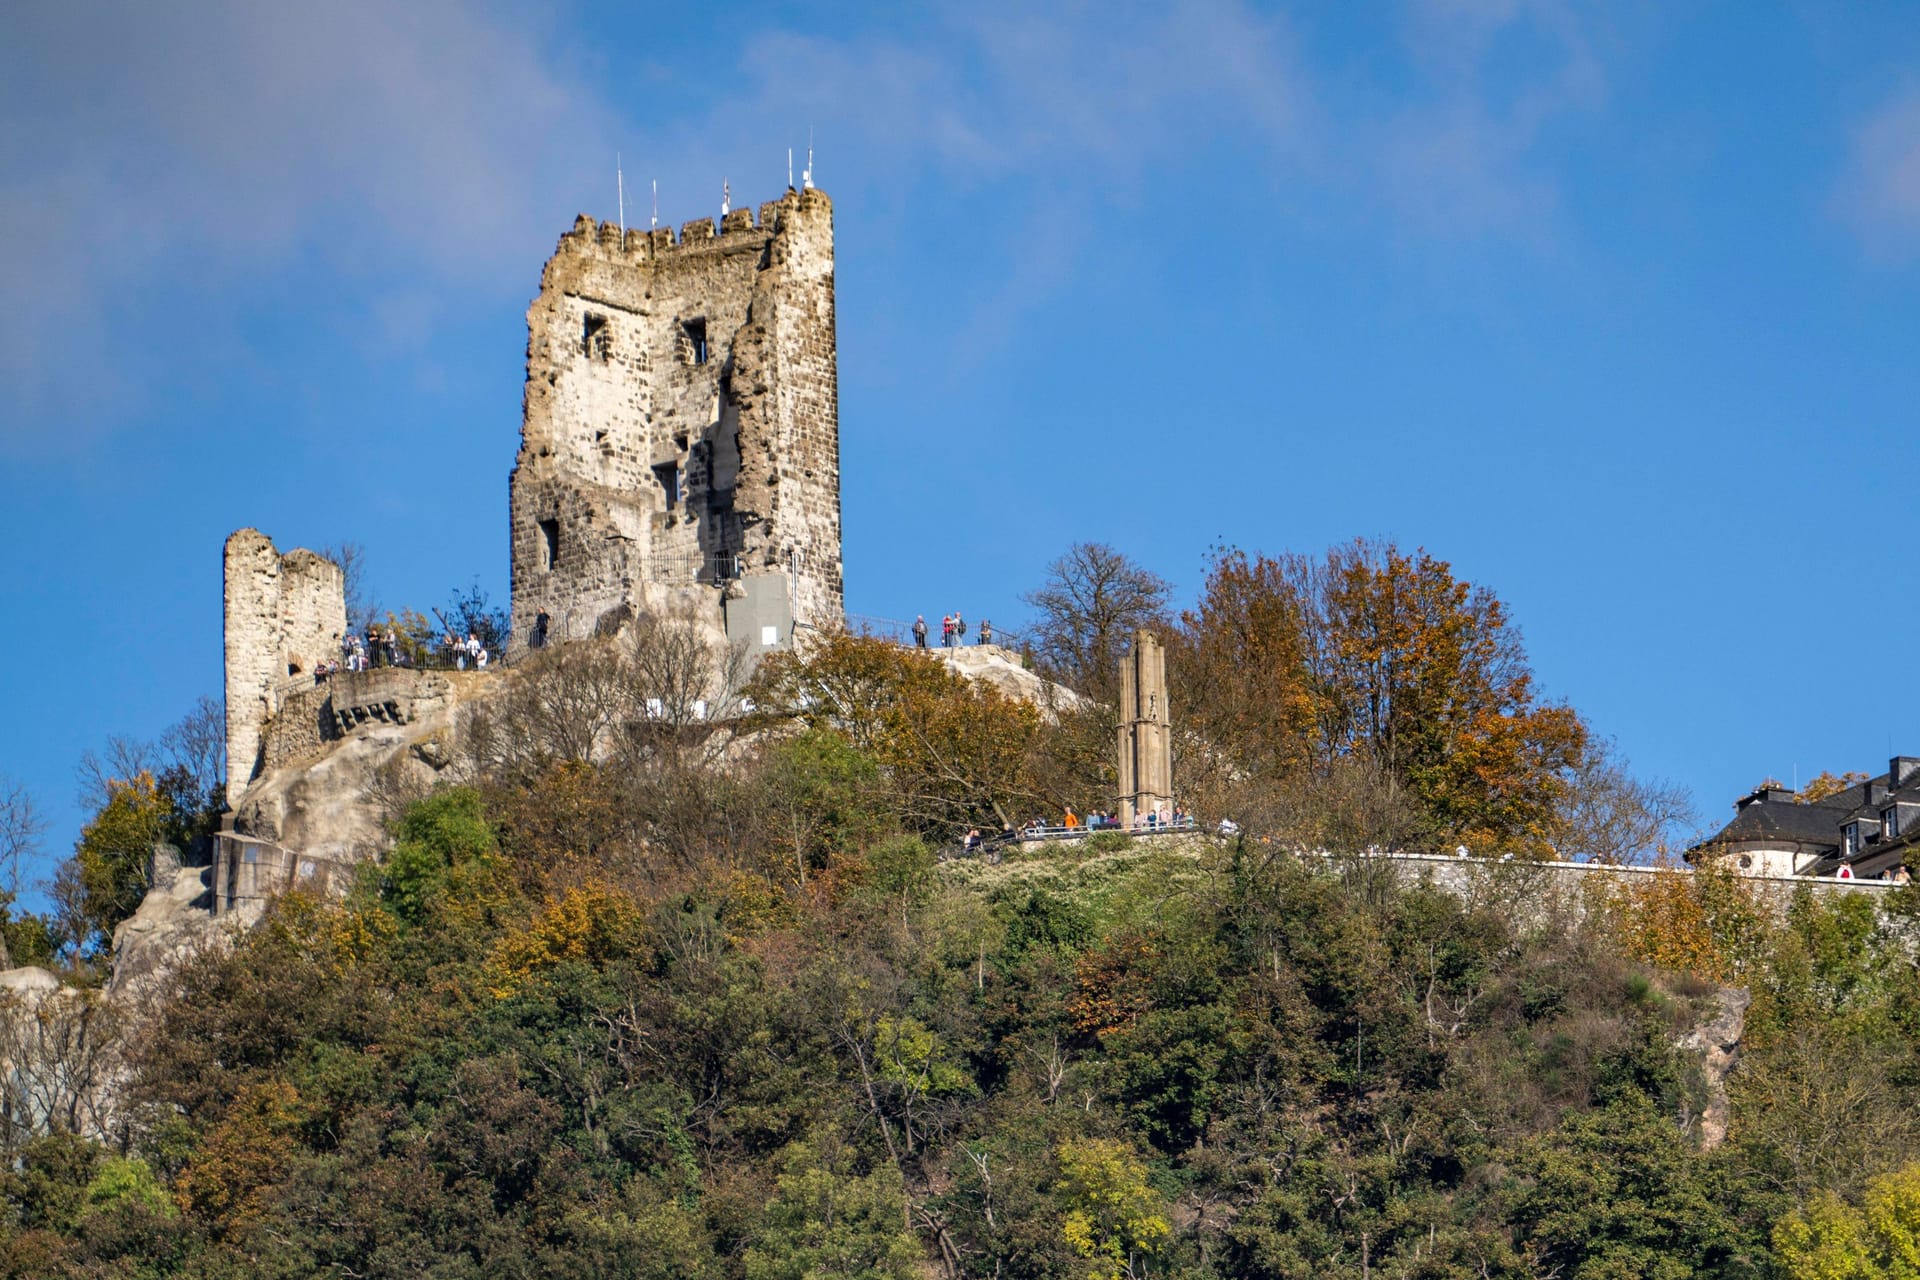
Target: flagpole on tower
620	182
655	224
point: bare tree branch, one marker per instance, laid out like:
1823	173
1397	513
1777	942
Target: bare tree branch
1090	603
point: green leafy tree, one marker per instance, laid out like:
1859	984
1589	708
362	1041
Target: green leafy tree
900	873
441	842
1114	1219
823	797
1878	1239
115	851
826	1221
953	752
1616	1194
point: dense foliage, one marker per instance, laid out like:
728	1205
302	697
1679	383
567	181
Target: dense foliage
645	1000
522	1048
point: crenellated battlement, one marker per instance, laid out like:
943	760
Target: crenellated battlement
737	230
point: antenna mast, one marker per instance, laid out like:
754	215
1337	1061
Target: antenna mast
806	175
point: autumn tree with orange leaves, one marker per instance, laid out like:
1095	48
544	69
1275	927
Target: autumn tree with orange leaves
954	751
1373	657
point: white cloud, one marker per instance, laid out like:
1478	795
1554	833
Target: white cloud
1880	195
415	150
206	145
1460	156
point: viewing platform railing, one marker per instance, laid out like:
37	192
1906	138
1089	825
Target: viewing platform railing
993	844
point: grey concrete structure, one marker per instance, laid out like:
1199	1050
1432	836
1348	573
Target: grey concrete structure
680	443
1146	732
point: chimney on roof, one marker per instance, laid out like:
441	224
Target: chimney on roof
1765	793
1903	769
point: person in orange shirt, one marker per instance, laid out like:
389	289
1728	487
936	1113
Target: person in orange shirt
1072	821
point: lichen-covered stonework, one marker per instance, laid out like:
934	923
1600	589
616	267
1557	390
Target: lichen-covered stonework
681	421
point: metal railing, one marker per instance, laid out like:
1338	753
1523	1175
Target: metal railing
993	844
713	567
435	658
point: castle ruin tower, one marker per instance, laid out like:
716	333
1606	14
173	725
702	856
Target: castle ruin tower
1146	732
285	614
680	446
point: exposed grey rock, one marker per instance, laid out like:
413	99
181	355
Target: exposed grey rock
60	1056
174	919
1001	668
1717	1040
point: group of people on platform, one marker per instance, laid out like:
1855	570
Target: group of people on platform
462	652
388	648
1101	820
953	630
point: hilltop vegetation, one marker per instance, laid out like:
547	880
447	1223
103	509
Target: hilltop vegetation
644	1002
510	1052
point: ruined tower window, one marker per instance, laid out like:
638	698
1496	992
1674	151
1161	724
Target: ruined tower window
549	543
693	341
597	339
668	474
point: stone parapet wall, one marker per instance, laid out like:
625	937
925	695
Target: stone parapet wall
1534	889
301	726
1446	869
310	718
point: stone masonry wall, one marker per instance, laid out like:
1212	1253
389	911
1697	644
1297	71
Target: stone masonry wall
300	727
681	420
284	614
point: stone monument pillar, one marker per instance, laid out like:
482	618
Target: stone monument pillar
1146	732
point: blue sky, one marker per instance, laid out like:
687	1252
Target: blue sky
1614	307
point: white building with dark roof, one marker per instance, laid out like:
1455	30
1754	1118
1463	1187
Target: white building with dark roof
1864	831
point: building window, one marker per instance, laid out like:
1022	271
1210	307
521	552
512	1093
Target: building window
549	544
596	339
1852	835
693	341
668	474
1892	818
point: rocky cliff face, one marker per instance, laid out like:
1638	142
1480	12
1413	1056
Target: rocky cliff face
1716	1038
61	1056
349	754
1001	668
